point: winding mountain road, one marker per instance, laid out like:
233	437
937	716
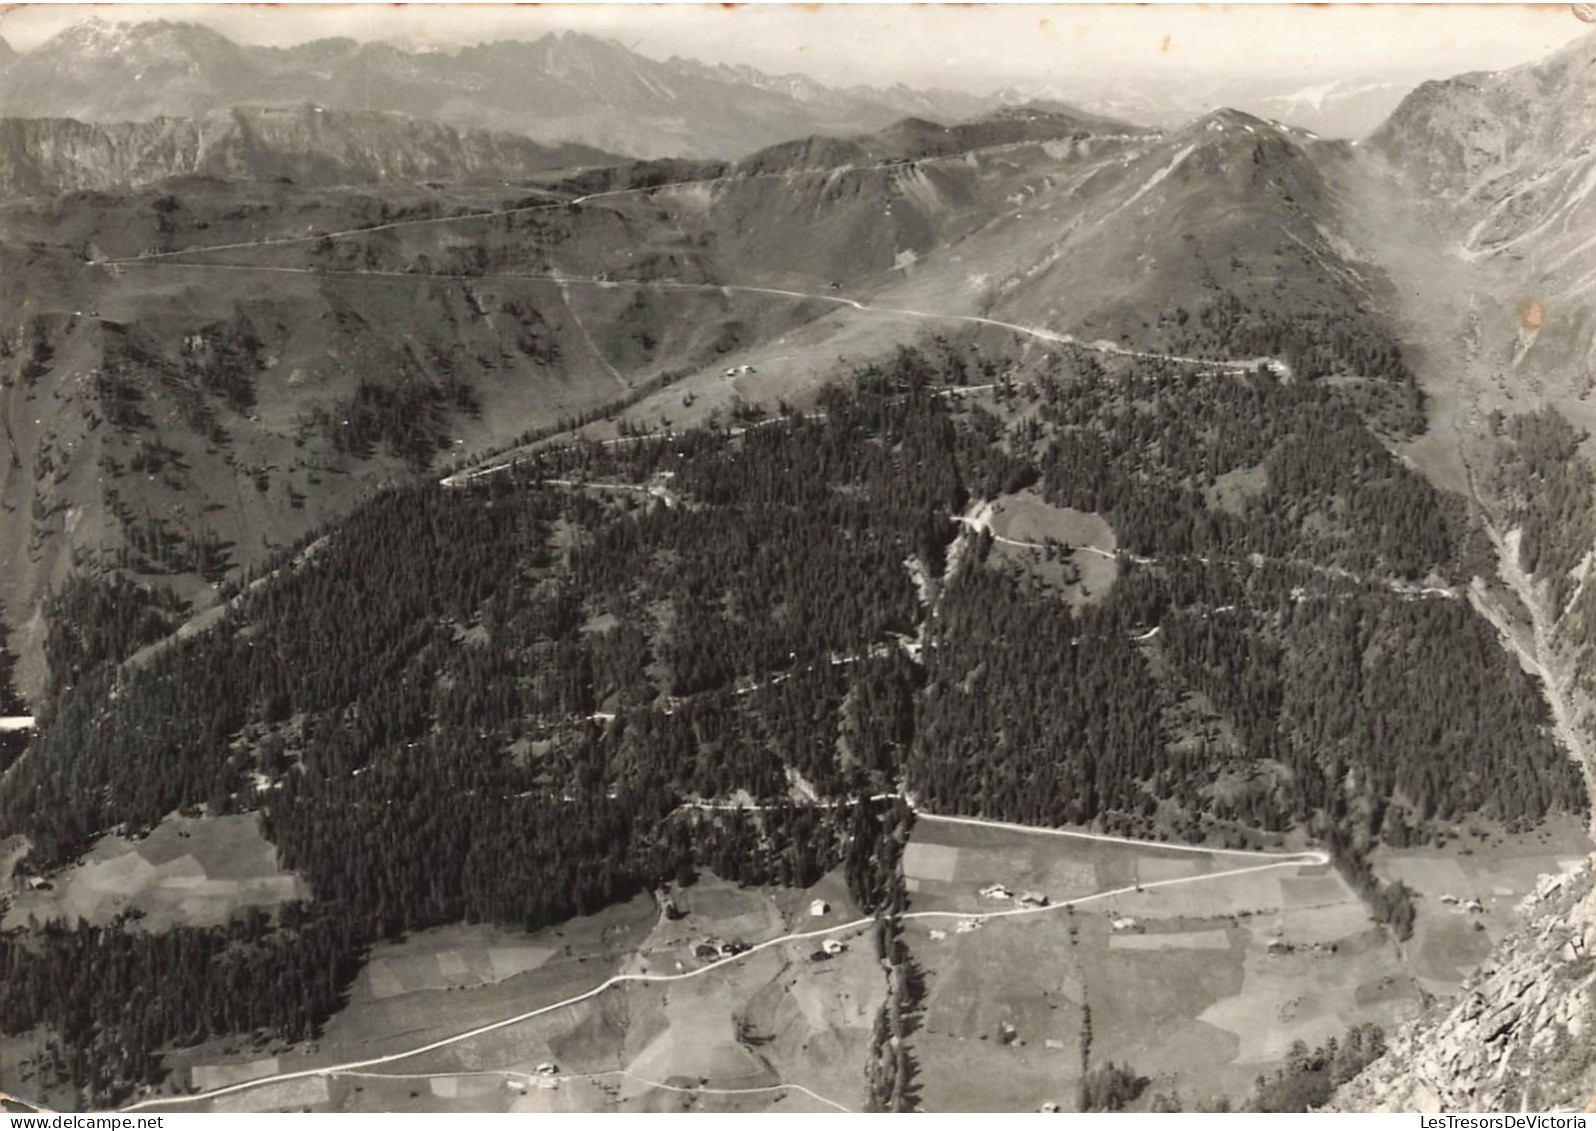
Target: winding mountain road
1040	333
979	519
587	198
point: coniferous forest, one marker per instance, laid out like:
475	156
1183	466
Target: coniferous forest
491	702
11	743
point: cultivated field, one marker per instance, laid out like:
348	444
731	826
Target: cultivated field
1199	968
1199	985
777	1029
452	958
946	864
186	872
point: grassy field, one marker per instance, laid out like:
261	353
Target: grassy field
583	953
1199	967
1081	576
1205	988
1232	490
736	1039
1491	867
186	872
452	958
12	850
17	1050
947	864
1025	517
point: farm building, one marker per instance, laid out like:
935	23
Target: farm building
1124	923
818	908
996	891
833	947
1033	899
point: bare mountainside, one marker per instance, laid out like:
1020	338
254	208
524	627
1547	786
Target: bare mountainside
1505	166
247	353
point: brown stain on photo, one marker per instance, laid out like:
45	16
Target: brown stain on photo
1531	314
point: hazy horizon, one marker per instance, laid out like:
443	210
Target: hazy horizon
978	49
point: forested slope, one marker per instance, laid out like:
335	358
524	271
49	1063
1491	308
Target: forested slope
501	702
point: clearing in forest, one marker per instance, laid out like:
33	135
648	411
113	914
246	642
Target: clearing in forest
1023	524
189	871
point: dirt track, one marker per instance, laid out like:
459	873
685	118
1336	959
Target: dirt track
1310	857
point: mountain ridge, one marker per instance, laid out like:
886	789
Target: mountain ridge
307	144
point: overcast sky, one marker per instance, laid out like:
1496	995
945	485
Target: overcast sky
971	48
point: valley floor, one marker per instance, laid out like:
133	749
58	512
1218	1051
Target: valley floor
1200	967
440	979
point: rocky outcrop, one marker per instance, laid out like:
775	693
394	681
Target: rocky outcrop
1481	135
1521	1036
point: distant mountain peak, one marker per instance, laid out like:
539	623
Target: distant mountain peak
1228	118
92	34
101	35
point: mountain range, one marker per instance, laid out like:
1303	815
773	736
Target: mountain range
568	87
563	87
306	144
